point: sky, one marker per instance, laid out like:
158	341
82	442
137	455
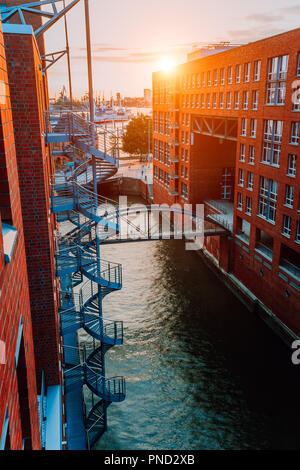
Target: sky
133	38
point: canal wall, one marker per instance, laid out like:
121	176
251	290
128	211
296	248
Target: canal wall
247	297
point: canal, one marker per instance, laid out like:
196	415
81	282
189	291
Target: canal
202	371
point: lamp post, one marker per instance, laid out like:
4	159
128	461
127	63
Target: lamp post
89	60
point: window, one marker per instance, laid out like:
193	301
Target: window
241	177
286	226
187	139
155	149
248	205
255	100
161	175
298	232
182	137
183	101
186	155
277	73
221	100
183	119
203	79
277	68
296	96
238	74
276	93
215	77
247	72
240	201
257	67
186	173
167	122
215	100
167	154
197	101
250	180
251	154
187	120
209	78
189	81
295	128
245	99
208	100
298	65
242	152
292	159
193	81
236	100
289	195
192	101
267	199
161	152
272	142
253	126
244	127
198	80
222	76
229	75
182	171
188	101
184	190
228	100
182	155
202	101
161	123
155	122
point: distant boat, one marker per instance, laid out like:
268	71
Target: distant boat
107	114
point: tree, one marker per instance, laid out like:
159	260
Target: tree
137	139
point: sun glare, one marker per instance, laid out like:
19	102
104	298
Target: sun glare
166	64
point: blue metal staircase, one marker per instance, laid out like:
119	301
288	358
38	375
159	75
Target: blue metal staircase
86	278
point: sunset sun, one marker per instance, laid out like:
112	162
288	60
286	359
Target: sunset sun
166	64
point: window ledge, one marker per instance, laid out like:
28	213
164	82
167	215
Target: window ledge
270	164
272	222
264	254
9	239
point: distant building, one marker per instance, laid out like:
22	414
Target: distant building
148	96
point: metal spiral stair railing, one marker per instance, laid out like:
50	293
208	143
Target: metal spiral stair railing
74	199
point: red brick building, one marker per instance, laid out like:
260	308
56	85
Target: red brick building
35	166
19	418
29	324
226	133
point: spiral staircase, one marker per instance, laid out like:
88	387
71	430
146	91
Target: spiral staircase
86	219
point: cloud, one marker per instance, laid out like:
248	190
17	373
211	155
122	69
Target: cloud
133	55
253	34
292	10
265	17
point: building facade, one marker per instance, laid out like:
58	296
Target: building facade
226	134
19	417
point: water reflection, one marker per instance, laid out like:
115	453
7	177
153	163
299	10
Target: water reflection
202	372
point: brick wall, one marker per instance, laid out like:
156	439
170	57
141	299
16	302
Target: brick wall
35	169
14	293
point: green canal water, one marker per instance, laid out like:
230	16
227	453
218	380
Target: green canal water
202	372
